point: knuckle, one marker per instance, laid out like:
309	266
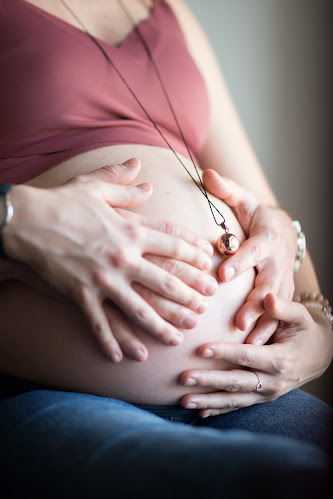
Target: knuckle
121	258
246	358
256	254
142	314
177	247
199	281
168	285
171	266
277	388
205	380
79	291
110	345
232	403
234	386
243	262
128	190
168	228
194	301
102	334
112	170
99	278
272	234
244	206
98	328
281	365
133	231
176	315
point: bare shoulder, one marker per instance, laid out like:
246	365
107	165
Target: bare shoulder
196	38
148	3
190	25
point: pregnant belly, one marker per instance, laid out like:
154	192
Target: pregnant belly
49	341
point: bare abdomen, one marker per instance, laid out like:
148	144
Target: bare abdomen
50	342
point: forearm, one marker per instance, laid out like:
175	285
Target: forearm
306	281
305	278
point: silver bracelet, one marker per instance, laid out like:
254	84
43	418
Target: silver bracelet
6	213
301	245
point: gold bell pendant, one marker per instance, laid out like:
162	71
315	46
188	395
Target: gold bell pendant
227	244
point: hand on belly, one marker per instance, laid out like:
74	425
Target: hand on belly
57	347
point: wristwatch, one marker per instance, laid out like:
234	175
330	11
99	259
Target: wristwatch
6	212
301	245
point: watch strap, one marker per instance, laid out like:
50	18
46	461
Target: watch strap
9	212
301	245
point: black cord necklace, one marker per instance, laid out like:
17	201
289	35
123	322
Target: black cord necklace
227	243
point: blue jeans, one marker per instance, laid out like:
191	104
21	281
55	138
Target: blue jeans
58	444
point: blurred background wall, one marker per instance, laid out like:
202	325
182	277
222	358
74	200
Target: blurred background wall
276	56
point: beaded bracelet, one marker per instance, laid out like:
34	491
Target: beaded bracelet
316	300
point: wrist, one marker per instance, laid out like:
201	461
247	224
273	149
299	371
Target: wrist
6	213
318	317
19	196
301	245
316	304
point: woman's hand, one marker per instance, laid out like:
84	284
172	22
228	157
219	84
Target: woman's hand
126	331
75	240
270	248
302	350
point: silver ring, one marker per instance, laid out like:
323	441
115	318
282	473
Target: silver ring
259	385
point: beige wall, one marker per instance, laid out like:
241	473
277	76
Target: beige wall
276	56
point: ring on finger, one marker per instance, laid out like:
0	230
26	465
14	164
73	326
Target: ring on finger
259	384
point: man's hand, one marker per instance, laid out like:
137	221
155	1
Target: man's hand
270	248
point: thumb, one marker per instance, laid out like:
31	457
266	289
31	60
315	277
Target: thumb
284	310
229	191
123	173
123	196
214	184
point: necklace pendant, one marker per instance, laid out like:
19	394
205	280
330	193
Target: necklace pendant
227	244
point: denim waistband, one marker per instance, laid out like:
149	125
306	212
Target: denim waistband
175	413
10	386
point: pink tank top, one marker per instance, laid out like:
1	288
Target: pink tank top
60	96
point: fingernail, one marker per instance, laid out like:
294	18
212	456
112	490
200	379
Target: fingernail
131	163
229	272
190	382
115	356
176	339
206	415
249	321
189	321
144	187
208	353
208	248
258	341
211	287
207	263
140	354
191	405
202	307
